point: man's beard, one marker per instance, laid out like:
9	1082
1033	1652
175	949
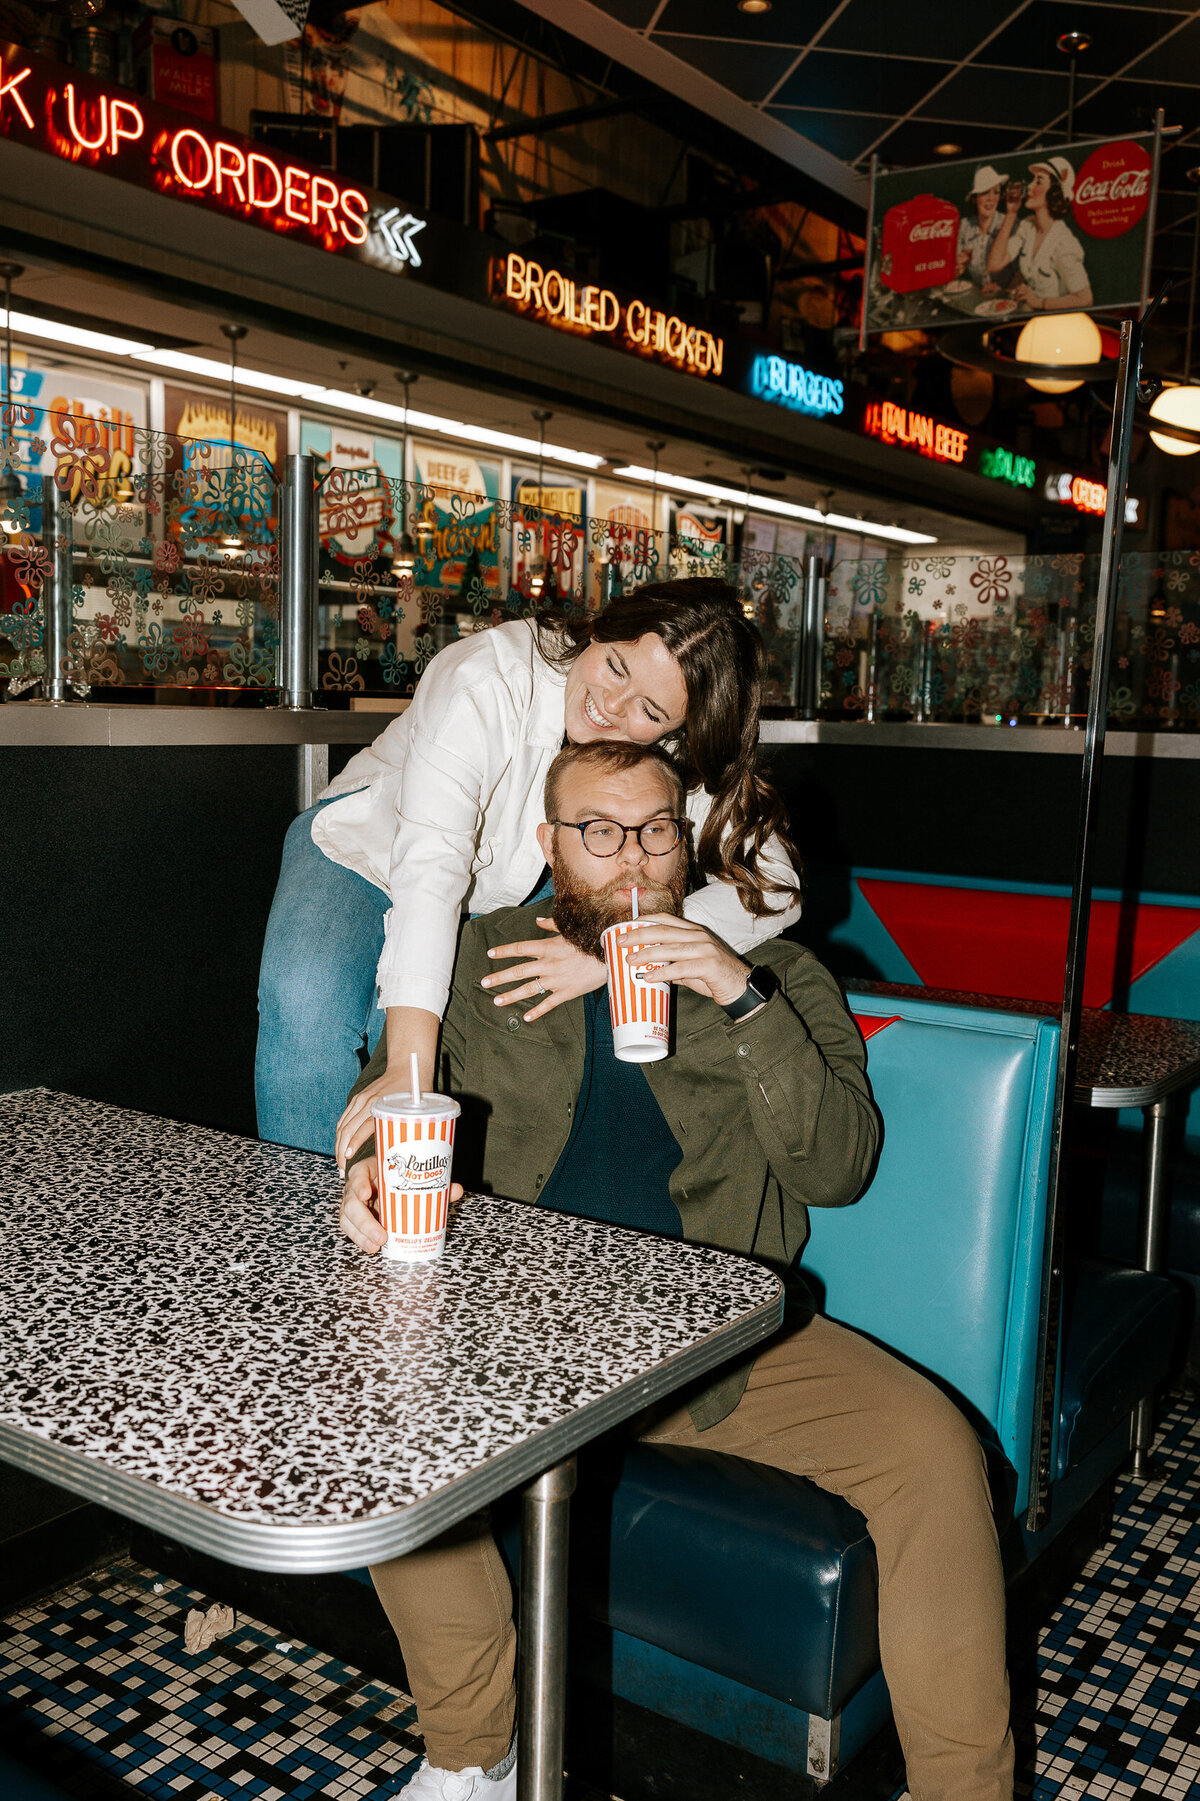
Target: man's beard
582	913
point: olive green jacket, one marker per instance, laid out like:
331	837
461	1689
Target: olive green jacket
772	1114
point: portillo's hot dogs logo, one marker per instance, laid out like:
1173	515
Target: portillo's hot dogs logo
590	311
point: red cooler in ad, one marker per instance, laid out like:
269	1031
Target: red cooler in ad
920	242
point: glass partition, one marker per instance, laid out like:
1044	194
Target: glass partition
173	555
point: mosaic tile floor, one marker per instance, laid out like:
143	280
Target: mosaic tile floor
97	1678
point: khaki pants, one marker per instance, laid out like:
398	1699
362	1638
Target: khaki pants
823	1403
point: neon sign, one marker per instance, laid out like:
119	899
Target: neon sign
1001	465
893	424
590	311
81	121
795	387
1083	495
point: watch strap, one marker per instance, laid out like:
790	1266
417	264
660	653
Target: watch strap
761	984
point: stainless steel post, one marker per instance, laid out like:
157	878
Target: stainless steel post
542	1671
298	553
1152	1251
810	642
57	540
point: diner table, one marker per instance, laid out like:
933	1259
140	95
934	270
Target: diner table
187	1339
1125	1060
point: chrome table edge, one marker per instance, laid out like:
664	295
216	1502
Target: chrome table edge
346	1545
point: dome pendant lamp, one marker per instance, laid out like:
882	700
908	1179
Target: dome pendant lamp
1058	338
1181	405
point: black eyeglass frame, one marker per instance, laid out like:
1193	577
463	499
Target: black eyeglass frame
581	826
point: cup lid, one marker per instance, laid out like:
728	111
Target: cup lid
402	1106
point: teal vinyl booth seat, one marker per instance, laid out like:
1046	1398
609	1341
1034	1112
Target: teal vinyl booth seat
740	1602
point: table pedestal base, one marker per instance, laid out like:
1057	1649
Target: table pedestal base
542	1649
1152	1249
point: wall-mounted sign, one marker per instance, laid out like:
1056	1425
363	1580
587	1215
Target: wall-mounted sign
1002	465
81	121
893	424
795	387
1085	495
999	239
590	311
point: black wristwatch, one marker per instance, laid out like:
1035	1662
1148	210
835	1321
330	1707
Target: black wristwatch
761	984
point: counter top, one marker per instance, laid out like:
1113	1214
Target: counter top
78	723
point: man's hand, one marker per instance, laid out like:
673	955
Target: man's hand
358	1217
690	955
552	972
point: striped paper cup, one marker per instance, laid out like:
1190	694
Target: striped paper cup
414	1148
640	1006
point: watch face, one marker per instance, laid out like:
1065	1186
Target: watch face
764	981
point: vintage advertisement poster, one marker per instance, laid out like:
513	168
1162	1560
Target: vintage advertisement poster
1063	230
234	499
357	510
700	539
72	416
549	551
454	526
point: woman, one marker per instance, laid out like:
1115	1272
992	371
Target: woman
1049	257
979	225
440	813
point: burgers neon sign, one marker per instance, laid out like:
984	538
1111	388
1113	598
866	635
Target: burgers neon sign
80	121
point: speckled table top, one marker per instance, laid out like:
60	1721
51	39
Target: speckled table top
1125	1059
186	1337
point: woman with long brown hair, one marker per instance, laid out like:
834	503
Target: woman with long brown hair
439	817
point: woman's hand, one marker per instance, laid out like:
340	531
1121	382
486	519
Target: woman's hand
408	1029
552	971
358	1216
356	1122
1022	292
690	955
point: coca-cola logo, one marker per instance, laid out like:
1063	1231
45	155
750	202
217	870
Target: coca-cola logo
930	228
1112	190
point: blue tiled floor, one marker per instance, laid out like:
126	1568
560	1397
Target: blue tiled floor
98	1693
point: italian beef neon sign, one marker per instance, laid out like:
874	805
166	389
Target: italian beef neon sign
591	311
81	121
893	424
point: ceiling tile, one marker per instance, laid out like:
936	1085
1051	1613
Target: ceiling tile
928	29
914	142
637	13
788	22
1001	96
1118	35
861	84
1178	59
748	70
844	134
1128	106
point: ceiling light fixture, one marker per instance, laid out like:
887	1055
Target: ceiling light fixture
1058	338
754	6
1180	405
767	503
947	149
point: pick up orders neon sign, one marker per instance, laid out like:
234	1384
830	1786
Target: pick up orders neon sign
589	311
81	121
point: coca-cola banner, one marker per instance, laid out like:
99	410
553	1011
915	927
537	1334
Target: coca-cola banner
1061	230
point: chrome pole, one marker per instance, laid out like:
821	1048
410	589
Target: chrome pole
298	564
542	1677
1152	1251
57	612
1124	417
810	641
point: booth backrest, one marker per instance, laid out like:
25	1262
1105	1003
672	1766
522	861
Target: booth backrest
1008	939
941	1259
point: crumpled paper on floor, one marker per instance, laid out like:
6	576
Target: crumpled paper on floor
202	1629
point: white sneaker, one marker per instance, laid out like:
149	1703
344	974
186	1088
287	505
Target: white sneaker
430	1784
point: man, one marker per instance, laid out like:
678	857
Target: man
762	1110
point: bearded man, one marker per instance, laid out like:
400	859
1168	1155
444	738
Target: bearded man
761	1111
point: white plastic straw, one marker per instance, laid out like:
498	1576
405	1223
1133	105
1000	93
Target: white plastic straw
635	906
416	1079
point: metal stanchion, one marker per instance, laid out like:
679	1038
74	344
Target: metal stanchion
810	642
58	522
542	1656
298	563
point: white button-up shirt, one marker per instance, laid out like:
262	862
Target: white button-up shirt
442	810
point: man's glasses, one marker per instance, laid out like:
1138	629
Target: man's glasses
605	838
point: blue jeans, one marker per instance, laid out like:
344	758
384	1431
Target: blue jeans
316	992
